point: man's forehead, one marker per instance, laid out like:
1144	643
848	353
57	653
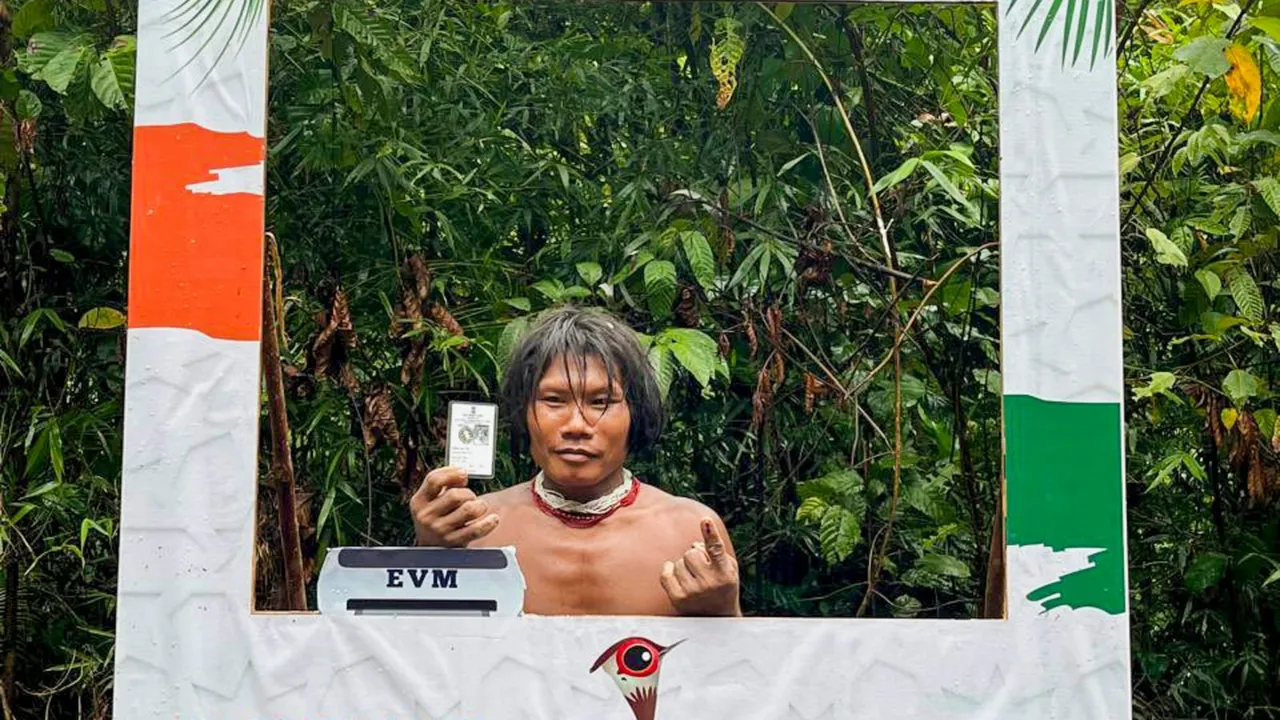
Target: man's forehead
561	368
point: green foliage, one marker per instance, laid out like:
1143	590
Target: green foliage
1203	470
666	161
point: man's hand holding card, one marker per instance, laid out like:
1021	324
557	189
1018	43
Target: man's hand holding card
446	513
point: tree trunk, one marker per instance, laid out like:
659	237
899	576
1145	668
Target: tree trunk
294	592
993	602
12	570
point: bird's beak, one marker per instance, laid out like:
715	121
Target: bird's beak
663	651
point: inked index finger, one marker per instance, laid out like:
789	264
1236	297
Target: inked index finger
712	541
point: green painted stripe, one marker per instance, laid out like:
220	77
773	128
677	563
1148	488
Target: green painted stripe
1064	474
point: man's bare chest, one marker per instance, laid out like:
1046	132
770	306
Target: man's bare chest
595	571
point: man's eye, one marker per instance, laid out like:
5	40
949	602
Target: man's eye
601	402
552	400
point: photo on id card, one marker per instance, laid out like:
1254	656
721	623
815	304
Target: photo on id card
472	438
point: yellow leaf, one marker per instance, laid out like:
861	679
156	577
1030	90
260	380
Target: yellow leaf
726	50
1245	83
1229	417
102	318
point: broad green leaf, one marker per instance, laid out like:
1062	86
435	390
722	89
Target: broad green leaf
123	58
62	256
1268	25
898	175
660	284
1165	81
1160	382
34	16
519	303
102	318
1184	239
1246	294
1166	252
695	350
1258	137
1128	162
944	565
664	368
105	84
29	105
1266	419
1239	222
589	272
949	187
1215	323
1269	189
841	487
43	47
701	260
811	510
913	388
1206	55
553	290
1210	281
1206	570
1240	385
510	336
62	68
838	531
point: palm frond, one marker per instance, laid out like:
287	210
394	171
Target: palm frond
1075	26
226	22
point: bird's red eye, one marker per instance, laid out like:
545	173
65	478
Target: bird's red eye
637	658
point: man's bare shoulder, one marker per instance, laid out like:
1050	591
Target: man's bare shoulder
665	501
509	497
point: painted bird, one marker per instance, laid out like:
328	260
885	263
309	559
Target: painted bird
633	664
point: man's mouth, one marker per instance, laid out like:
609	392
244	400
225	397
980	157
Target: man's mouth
576	454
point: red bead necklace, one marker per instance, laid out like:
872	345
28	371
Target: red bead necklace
575	520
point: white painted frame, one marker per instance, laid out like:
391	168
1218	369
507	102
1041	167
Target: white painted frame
189	645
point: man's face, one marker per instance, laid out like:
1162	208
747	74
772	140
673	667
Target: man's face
578	430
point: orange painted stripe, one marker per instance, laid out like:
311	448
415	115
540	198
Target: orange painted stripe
195	259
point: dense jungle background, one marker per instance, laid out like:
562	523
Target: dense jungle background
441	170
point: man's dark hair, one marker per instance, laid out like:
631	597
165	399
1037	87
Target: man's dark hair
572	335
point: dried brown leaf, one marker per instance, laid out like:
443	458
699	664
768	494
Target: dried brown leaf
773	322
1259	488
813	388
441	315
687	308
378	422
416	269
761	398
336	336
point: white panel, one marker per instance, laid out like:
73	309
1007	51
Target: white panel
1059	219
242	179
215	77
189	648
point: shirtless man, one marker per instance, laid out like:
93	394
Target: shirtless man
580	395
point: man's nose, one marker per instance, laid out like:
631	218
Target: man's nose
576	425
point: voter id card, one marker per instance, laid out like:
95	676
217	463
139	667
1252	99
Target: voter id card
472	441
